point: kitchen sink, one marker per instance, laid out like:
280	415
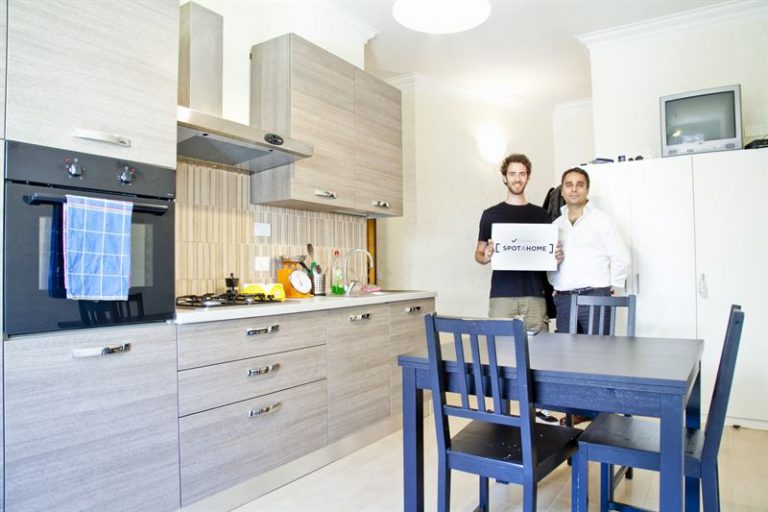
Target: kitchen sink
358	294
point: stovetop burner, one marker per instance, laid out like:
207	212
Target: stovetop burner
224	299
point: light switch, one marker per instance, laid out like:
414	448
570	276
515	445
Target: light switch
262	229
261	263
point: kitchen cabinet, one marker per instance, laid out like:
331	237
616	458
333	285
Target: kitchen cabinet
697	226
2	328
90	420
406	331
97	77
252	397
358	369
351	118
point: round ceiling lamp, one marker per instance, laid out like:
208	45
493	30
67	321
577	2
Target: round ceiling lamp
441	16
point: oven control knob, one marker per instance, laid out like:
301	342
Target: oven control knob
126	175
70	164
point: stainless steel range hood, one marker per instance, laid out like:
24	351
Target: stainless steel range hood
202	133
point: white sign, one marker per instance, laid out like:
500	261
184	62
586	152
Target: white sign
524	246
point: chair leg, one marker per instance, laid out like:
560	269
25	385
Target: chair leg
580	481
710	487
606	486
484	501
629	474
529	494
443	488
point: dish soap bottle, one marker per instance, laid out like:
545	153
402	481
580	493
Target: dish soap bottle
337	274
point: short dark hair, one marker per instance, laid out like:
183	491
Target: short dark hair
517	158
578	170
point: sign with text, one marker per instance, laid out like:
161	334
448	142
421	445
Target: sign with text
524	246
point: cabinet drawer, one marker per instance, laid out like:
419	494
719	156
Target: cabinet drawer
358	369
225	446
96	433
221	384
216	342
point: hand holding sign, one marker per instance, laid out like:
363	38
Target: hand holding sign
524	247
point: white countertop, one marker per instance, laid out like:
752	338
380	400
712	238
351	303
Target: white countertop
319	303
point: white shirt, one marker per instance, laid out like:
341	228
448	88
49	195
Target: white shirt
594	255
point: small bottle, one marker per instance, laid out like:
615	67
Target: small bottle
337	274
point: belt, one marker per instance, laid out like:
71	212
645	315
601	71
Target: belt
584	291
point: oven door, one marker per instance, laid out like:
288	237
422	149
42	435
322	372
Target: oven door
34	295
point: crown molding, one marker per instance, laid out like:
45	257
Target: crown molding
333	11
737	9
422	82
567	106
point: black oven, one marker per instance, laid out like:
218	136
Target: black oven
37	180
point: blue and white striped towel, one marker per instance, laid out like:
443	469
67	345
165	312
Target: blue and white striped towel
97	248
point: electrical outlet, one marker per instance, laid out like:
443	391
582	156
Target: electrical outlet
261	264
262	229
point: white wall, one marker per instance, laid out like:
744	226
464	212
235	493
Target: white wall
574	138
447	185
247	23
633	66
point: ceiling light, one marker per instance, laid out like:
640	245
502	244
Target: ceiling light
441	16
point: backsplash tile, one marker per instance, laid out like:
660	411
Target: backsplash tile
214	231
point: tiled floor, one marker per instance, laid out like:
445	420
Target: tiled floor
371	480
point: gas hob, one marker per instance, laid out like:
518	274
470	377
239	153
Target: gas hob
226	299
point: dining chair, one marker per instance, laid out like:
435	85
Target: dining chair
494	444
612	439
601	313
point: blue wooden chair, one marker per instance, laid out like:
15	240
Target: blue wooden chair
613	439
495	444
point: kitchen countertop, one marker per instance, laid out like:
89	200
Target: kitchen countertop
319	303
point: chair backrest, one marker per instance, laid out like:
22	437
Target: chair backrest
722	390
477	373
602	313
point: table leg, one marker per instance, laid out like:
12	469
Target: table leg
672	455
693	420
413	443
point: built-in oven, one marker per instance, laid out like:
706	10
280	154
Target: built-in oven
37	182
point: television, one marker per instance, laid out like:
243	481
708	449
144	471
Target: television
701	121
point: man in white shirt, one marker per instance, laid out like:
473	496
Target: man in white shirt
595	258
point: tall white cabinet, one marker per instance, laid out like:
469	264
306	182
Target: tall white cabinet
697	227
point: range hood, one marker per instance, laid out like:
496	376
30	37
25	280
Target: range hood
202	133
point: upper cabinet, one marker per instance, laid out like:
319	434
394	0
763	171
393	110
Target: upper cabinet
352	119
97	77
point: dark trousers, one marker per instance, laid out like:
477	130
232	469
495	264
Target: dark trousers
563	308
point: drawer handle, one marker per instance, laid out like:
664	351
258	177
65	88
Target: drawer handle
262	411
358	318
79	353
381	204
264	369
262	330
109	138
325	193
412	309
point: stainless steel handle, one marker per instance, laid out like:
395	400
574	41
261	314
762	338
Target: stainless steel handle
79	353
262	411
263	370
109	138
262	330
412	309
38	198
325	193
702	286
637	284
358	318
381	204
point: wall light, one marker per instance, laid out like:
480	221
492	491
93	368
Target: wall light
491	143
441	16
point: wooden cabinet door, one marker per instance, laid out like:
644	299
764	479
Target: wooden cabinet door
732	268
98	77
87	430
406	330
378	146
358	369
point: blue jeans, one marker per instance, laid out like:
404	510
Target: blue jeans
563	308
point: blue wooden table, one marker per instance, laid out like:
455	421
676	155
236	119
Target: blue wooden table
656	377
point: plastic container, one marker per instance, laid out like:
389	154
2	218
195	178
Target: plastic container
337	274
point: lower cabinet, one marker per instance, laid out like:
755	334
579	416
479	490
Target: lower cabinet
358	369
406	331
90	420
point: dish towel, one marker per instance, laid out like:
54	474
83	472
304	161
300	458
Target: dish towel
97	248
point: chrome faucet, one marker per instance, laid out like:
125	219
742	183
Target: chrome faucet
348	287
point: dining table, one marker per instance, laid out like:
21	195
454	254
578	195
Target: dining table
644	376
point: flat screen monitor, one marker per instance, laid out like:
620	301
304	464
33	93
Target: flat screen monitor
701	121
